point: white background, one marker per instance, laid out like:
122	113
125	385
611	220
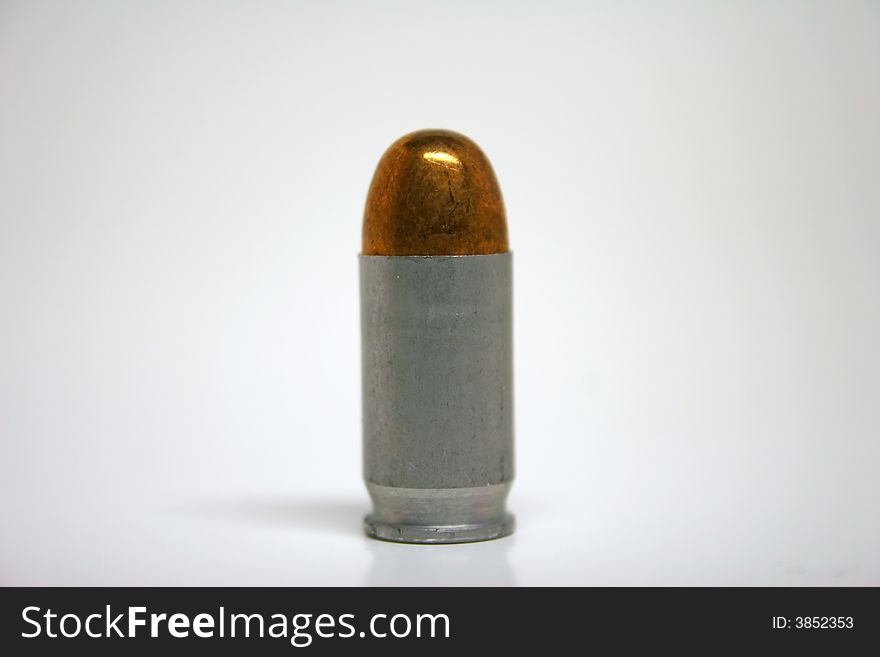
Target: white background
693	191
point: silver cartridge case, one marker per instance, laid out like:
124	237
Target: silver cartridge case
437	396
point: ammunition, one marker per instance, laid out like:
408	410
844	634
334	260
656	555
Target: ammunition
436	329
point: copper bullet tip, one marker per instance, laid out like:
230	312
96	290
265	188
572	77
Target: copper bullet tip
434	193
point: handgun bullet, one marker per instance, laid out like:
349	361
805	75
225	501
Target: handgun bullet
436	327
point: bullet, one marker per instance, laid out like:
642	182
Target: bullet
436	331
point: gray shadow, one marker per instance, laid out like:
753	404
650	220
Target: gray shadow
340	516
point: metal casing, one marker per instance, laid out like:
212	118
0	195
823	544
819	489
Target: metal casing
438	393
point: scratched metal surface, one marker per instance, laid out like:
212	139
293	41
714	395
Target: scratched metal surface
437	370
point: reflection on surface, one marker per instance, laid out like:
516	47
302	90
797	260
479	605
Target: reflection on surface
441	157
468	564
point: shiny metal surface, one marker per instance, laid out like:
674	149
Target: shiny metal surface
434	193
439	515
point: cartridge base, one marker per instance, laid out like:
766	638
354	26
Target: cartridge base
438	515
438	534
